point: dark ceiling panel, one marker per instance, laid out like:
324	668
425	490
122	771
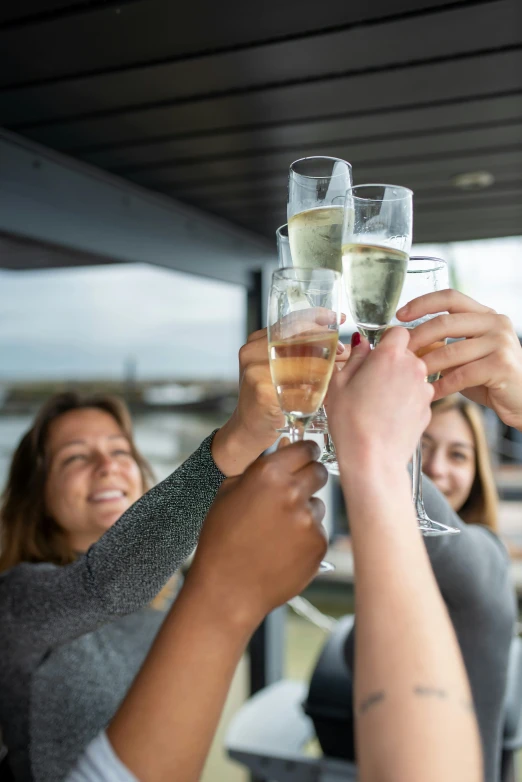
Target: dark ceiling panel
316	132
210	103
23	11
158	30
366	93
414	171
424	191
432	36
438	146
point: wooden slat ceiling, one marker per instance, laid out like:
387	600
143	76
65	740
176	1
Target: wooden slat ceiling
210	102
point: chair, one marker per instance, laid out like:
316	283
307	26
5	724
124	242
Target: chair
270	732
269	735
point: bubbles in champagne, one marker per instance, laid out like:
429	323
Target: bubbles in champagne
301	369
315	238
374	278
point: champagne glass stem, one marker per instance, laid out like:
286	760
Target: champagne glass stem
297	428
426	525
373	336
416	474
320	416
328	455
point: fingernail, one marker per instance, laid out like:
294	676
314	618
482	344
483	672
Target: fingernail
340	348
356	339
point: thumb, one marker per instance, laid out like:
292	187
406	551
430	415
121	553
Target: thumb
360	349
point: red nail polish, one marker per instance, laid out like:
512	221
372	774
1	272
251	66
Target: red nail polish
356	339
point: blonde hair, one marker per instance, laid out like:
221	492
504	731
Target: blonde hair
481	506
27	532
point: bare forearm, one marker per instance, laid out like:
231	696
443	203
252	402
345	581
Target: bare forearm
414	713
175	703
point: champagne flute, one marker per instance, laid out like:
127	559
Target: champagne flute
377	236
302	343
424	275
318	424
316	190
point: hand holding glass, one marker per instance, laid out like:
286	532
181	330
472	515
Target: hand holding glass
303	331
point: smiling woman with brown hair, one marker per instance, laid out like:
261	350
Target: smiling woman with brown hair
85	552
455	455
43	504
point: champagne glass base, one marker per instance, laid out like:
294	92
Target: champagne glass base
326	567
433	529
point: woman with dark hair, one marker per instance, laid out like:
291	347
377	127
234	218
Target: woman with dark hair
87	560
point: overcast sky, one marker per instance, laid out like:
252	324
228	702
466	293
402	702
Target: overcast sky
88	322
84	322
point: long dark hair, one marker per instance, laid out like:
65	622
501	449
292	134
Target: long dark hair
27	532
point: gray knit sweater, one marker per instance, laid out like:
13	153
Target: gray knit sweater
72	638
472	571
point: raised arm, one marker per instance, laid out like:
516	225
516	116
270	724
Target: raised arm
127	567
414	713
261	544
123	571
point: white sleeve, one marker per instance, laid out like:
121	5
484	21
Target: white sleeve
99	763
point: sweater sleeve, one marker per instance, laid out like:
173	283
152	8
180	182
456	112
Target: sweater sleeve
471	568
44	605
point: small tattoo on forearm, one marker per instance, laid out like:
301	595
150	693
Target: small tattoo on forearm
370	701
420	691
437	692
430	692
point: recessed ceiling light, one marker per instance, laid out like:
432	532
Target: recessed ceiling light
473	180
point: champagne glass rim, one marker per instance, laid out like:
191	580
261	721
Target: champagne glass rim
304	273
427	258
405	192
319	157
282	231
427	263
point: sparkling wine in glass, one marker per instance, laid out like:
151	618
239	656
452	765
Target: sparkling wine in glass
316	192
424	275
318	425
377	237
302	343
